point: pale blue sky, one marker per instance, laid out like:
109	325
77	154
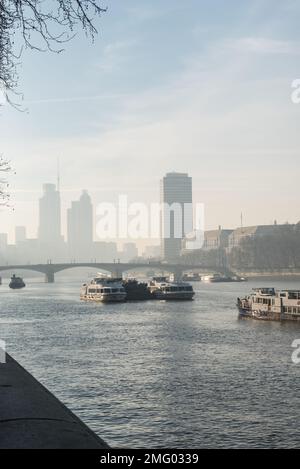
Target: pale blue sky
196	86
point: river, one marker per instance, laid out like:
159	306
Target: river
161	375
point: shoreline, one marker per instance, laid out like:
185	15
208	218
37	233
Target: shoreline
283	275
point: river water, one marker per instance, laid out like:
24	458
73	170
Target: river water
160	375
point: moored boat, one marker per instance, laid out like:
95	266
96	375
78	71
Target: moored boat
104	289
218	278
270	304
136	291
163	289
191	277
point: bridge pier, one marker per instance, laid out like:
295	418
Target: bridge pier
177	275
49	277
117	273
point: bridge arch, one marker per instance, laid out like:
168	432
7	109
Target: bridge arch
115	269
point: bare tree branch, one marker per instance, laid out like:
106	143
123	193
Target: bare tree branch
43	26
4	168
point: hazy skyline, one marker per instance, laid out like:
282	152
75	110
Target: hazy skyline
189	87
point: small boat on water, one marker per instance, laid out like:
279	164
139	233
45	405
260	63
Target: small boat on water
16	283
104	289
162	288
269	304
191	277
218	278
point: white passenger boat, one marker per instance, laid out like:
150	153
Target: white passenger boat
218	278
104	289
163	289
270	304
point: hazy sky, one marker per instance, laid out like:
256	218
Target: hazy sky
197	86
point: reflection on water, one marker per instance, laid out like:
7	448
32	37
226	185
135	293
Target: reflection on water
157	374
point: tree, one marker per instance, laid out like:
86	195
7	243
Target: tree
43	25
280	250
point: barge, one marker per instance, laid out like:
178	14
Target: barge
163	289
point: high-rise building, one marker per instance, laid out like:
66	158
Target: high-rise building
3	246
20	235
80	228
49	235
3	241
176	214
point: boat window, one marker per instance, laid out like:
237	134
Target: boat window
294	295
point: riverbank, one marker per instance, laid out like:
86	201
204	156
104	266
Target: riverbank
276	274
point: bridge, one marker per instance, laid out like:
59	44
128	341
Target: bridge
116	269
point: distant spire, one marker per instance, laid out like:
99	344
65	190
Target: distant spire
242	221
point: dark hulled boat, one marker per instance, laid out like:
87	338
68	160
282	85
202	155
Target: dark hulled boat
137	291
16	283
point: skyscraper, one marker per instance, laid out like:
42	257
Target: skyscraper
3	246
80	228
176	214
49	235
20	234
